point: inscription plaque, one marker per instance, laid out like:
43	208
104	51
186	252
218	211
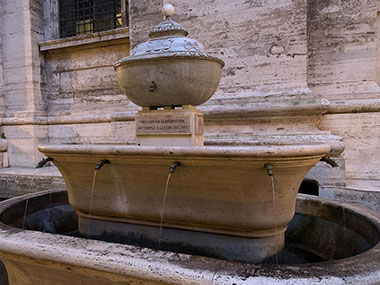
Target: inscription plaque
163	125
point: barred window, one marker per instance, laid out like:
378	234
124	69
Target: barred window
79	17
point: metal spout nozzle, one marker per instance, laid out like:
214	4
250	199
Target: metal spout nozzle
43	162
152	86
174	166
329	161
269	168
101	164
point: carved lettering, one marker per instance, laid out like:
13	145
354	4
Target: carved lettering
164	125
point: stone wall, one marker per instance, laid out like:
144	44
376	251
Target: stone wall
82	92
342	48
361	133
82	80
21	26
20	181
263	43
50	85
55	90
343	44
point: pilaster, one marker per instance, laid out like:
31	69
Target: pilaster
22	29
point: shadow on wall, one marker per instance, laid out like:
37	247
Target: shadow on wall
310	187
3	275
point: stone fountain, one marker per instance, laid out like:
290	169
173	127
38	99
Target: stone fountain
169	192
220	199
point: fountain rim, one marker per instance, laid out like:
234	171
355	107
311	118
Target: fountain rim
255	151
85	254
147	59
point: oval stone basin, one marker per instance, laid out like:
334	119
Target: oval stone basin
178	80
220	191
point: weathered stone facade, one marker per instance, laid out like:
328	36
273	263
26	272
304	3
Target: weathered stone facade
295	71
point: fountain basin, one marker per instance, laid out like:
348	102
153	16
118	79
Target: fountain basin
178	79
33	257
223	191
169	69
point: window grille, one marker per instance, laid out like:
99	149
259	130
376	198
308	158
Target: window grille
79	17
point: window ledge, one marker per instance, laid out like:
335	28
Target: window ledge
121	33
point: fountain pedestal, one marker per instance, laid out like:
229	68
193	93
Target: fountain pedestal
169	126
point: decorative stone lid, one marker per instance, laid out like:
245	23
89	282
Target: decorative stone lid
168	28
168	39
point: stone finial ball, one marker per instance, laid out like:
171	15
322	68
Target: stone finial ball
168	10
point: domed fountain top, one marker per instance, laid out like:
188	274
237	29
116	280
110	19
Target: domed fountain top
176	69
168	39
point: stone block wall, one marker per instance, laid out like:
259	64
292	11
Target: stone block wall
82	80
361	133
263	43
342	48
343	51
50	84
21	181
82	93
21	26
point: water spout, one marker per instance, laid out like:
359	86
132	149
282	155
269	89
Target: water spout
269	168
152	86
101	164
174	166
329	161
43	162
